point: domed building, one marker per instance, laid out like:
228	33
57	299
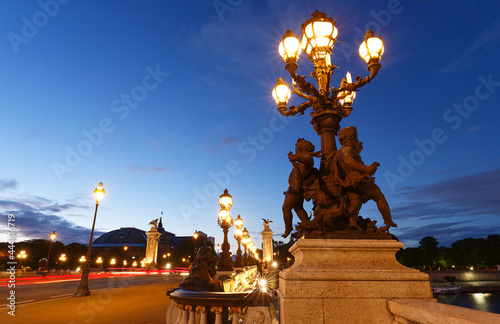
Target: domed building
129	244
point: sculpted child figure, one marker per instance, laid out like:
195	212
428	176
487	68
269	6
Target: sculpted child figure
356	178
303	166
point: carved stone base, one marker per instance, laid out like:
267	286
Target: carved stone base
346	281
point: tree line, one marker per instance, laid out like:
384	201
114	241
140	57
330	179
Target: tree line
478	253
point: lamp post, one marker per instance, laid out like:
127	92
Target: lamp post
225	222
83	288
329	104
63	259
195	236
22	256
245	240
52	238
238	224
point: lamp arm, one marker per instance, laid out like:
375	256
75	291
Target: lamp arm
303	85
292	111
299	93
373	68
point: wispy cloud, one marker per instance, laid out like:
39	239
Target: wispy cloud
225	143
36	217
8	184
490	35
146	168
451	209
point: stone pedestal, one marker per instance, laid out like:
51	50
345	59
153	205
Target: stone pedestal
267	244
346	281
152	246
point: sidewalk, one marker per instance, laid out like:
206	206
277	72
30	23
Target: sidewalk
146	303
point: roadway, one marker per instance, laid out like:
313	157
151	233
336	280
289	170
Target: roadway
134	299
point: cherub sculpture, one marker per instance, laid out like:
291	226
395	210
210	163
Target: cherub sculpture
356	178
303	167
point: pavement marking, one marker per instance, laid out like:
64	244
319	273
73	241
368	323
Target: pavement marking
59	296
18	303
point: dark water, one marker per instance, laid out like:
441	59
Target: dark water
487	302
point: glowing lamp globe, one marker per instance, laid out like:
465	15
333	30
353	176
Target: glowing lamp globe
281	93
372	48
99	193
319	34
289	47
225	200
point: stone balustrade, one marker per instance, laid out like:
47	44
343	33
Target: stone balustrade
191	307
419	311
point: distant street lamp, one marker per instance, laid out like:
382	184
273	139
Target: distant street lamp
62	259
22	256
225	222
195	235
83	288
218	249
52	238
245	240
238	233
112	262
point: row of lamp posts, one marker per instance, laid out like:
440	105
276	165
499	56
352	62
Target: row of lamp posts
240	234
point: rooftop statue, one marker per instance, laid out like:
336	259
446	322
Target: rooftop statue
154	223
266	224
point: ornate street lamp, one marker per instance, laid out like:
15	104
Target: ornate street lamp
328	104
83	288
238	224
195	236
52	238
22	256
245	238
225	222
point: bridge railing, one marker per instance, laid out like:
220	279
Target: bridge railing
419	311
191	307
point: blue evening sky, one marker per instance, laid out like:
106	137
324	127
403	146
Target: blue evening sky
169	102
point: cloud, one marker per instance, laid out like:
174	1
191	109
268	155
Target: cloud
473	195
447	232
226	142
451	209
145	168
489	36
35	217
8	184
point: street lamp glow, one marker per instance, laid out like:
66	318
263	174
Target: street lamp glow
372	48
238	222
289	47
225	200
99	193
113	261
53	236
62	257
99	260
22	255
168	266
195	235
82	258
281	93
134	264
319	34
124	262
